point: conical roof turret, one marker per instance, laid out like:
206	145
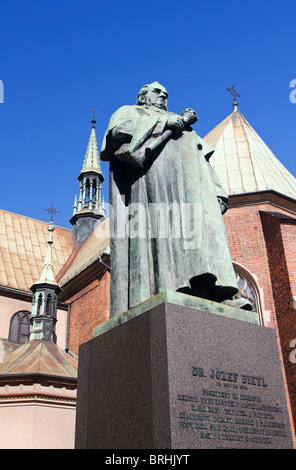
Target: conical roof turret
243	161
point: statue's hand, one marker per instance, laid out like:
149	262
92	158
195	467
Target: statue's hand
175	123
189	116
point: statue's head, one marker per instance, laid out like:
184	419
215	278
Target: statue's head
153	94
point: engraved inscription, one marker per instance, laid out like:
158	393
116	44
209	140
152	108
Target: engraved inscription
227	408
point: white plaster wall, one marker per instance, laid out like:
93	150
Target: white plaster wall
37	425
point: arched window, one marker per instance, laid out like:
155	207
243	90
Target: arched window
87	191
94	191
48	304
249	289
39	303
19	327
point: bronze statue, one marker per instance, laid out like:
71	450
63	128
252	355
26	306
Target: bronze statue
166	206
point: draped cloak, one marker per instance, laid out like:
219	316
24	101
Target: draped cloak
150	254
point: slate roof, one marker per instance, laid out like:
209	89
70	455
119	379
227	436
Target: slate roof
243	161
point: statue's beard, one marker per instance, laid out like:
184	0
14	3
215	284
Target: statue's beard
157	104
160	106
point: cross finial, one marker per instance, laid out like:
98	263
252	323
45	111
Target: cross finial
234	94
52	211
94	111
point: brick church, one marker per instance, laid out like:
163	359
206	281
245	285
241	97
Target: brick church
55	281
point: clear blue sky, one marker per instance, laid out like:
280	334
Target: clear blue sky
59	59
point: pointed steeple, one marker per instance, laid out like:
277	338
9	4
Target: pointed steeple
47	274
88	210
91	159
243	161
45	297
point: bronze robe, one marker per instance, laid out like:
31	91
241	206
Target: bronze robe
192	247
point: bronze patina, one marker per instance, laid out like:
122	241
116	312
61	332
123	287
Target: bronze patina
166	206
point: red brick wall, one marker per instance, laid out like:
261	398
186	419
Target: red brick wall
247	247
89	308
280	237
288	231
266	246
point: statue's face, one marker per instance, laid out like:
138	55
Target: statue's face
157	96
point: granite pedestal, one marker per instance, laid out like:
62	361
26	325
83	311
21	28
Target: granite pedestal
178	372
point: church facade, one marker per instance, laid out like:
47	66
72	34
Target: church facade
261	232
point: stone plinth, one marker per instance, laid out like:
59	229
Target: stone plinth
176	376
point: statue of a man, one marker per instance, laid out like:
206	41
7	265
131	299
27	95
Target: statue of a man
166	206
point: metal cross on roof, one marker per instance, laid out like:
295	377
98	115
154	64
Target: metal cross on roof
94	111
234	94
52	211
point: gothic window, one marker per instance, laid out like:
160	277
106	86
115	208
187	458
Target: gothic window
248	289
48	304
87	190
19	327
94	194
39	304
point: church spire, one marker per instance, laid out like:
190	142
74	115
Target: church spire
47	274
91	159
88	209
45	297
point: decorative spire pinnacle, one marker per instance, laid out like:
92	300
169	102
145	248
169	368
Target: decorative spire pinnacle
47	274
91	159
94	111
75	206
45	297
88	208
234	94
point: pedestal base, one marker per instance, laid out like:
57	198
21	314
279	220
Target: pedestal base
177	377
